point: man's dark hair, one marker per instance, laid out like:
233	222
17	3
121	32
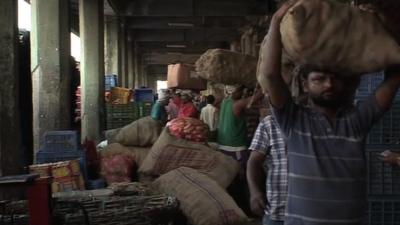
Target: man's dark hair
210	99
306	69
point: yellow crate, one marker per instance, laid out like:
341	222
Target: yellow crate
66	169
72	183
120	95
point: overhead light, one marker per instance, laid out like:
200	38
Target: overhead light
181	24
176	46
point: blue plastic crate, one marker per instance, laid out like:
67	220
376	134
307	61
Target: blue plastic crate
384	212
61	141
368	84
144	95
44	156
386	131
382	179
110	81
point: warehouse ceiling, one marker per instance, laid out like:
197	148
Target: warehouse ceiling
167	31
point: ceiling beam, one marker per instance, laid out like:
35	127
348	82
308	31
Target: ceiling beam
165	59
191	22
190	47
194	35
192	7
157	69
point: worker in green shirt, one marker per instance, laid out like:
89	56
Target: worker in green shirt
232	130
232	138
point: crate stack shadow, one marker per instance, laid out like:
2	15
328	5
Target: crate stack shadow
383	180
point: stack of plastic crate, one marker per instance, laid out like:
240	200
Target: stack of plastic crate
78	101
119	115
143	95
383	180
61	146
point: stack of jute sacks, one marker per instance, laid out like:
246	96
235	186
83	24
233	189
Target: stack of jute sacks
184	166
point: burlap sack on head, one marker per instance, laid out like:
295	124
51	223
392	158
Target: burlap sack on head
142	132
137	153
201	199
217	90
170	153
337	37
227	67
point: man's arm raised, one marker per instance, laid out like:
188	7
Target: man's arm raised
269	74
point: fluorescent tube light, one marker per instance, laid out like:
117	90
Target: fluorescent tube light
181	24
176	46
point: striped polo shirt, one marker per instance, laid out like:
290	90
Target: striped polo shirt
326	164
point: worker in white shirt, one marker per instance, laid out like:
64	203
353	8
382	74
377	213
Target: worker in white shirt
209	115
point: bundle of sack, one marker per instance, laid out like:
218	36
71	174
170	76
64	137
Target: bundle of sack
227	67
334	36
180	164
127	148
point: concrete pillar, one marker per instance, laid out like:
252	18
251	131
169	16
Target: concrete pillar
143	74
92	68
112	58
131	62
10	149
124	54
235	46
255	45
136	65
50	66
152	82
247	43
139	70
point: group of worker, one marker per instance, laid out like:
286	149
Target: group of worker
313	151
226	118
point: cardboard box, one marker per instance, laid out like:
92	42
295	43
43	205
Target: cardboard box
183	76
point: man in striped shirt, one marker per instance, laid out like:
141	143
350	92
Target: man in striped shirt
325	142
268	148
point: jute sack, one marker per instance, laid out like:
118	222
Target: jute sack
117	168
337	37
217	90
201	199
227	67
111	134
137	153
142	132
170	153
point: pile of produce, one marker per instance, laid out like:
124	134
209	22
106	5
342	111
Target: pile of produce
189	129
